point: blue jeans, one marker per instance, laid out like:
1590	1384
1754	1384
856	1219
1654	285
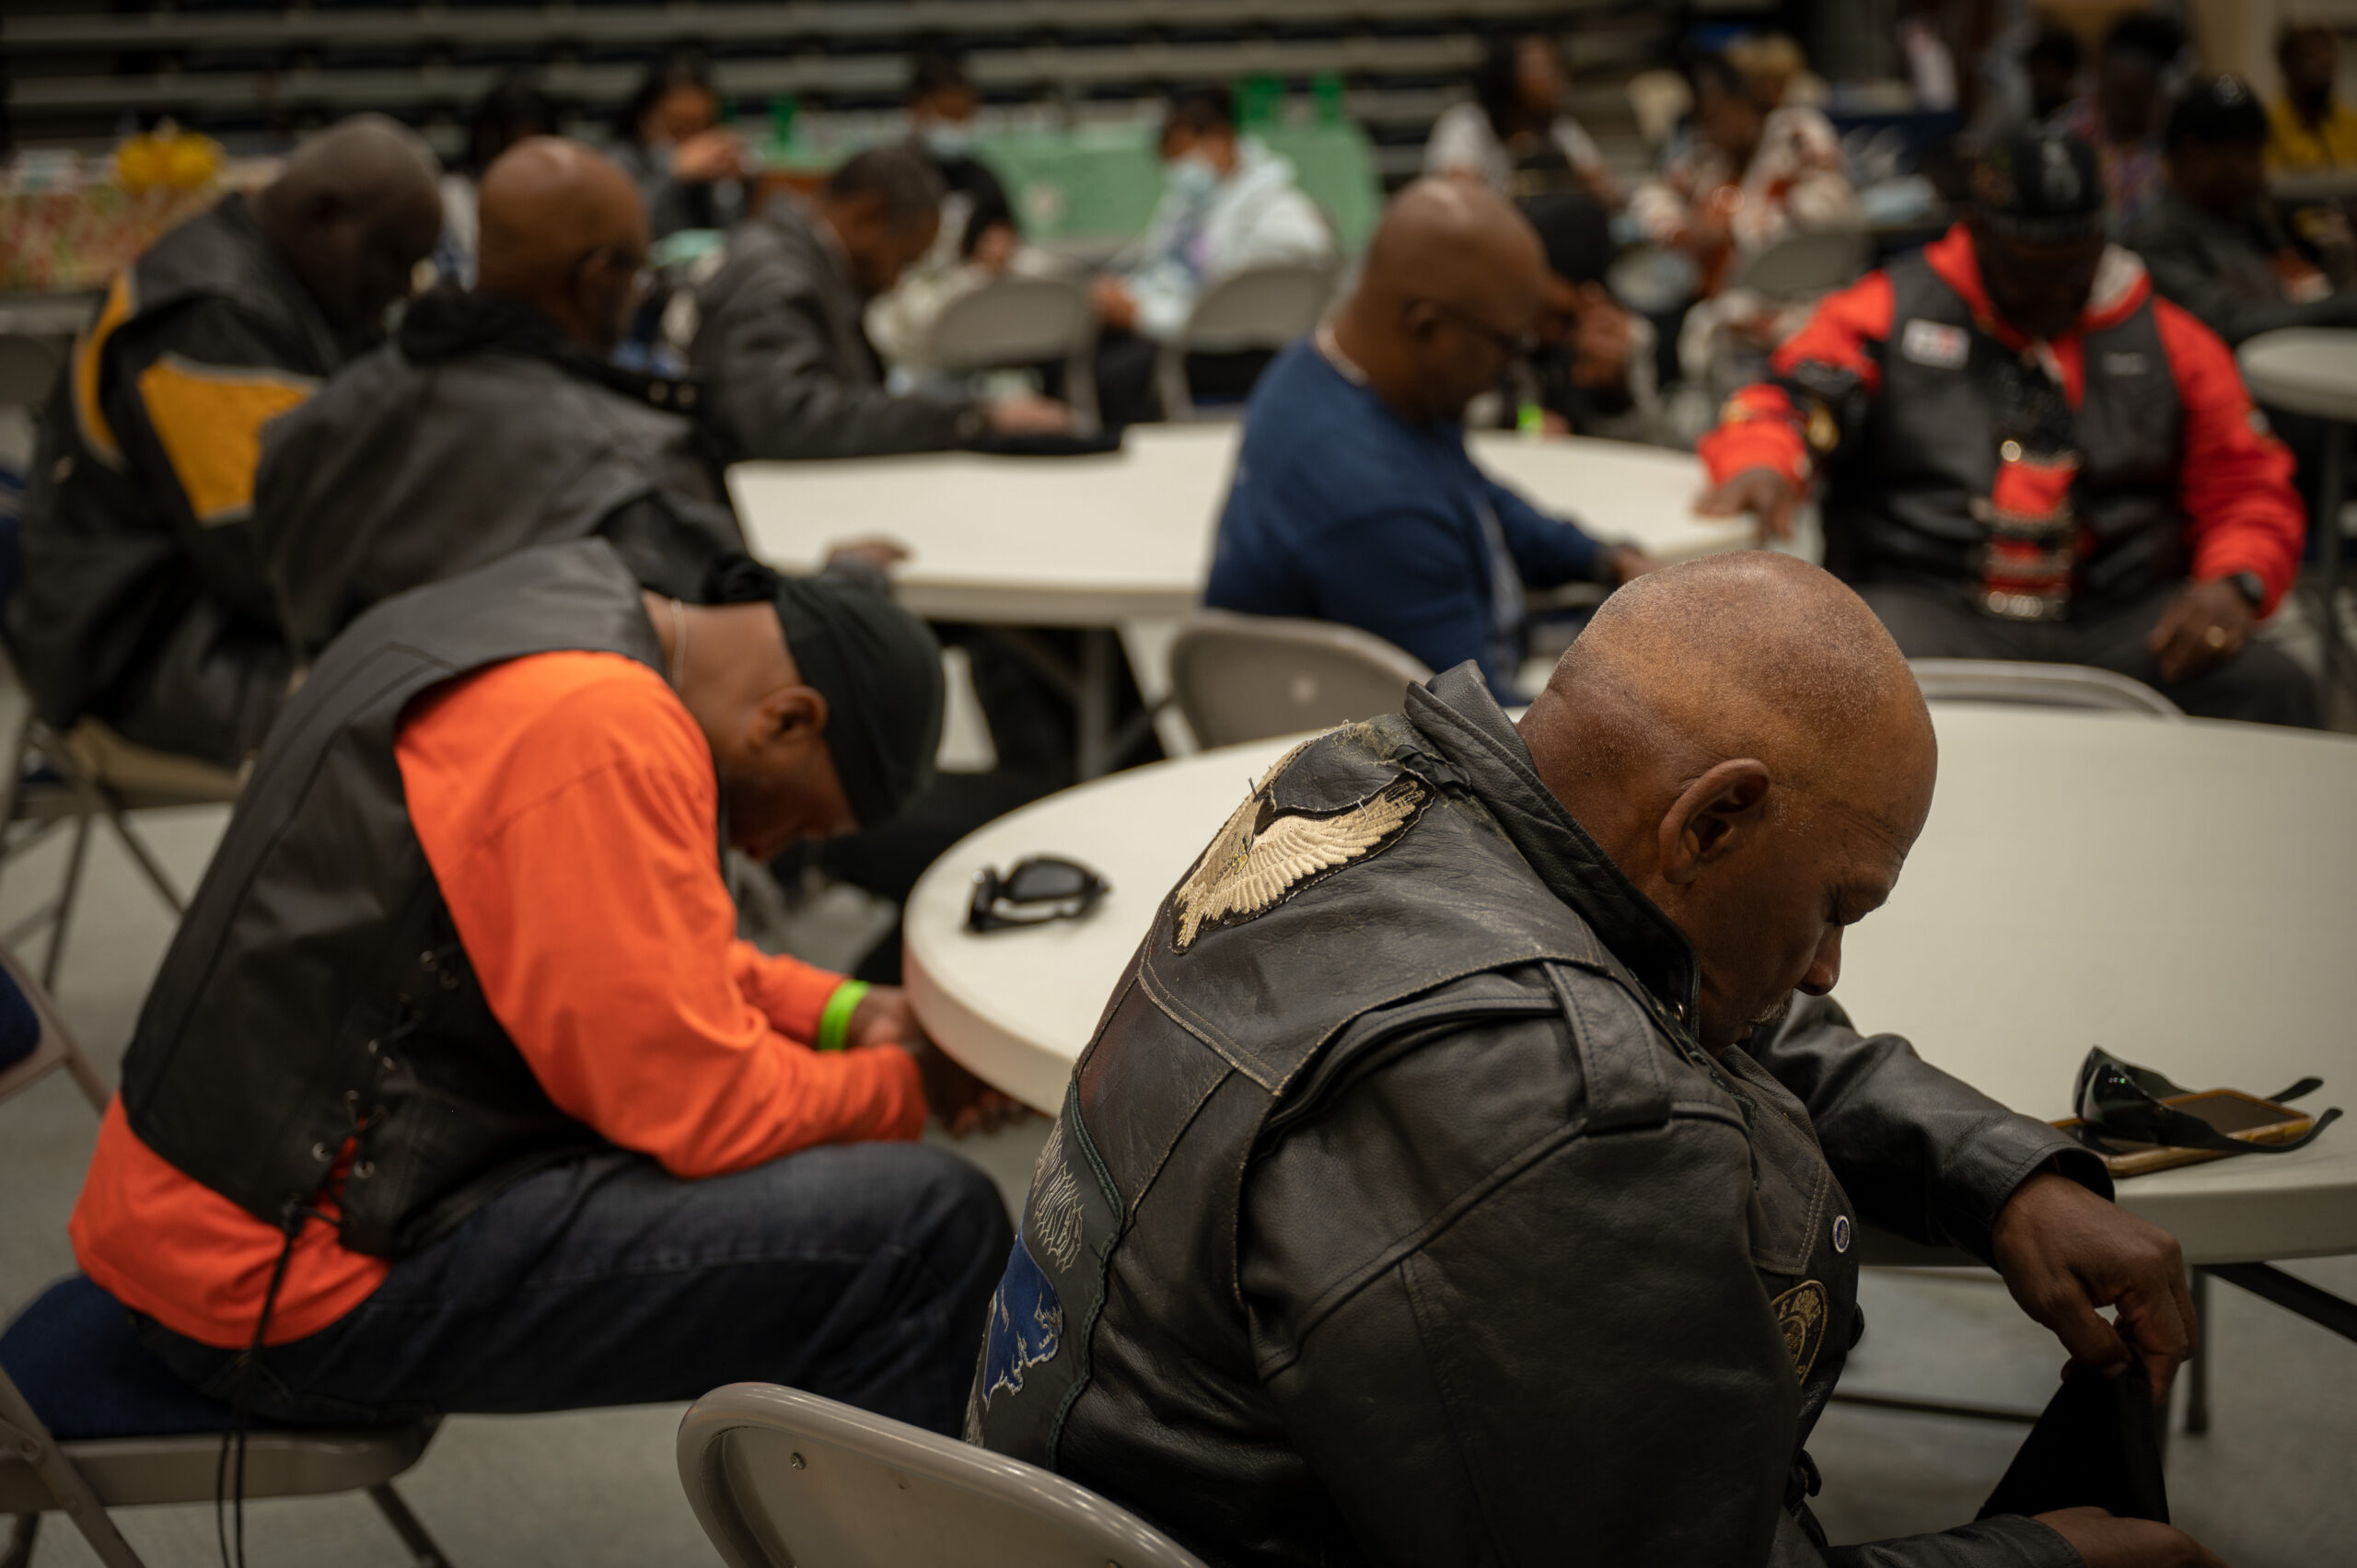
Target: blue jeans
861	1272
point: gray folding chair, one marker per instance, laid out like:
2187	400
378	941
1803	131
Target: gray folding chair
74	780
2038	685
1258	308
1802	266
89	1421
781	1478
1019	321
1241	677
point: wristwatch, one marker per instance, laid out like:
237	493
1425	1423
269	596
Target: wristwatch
2250	585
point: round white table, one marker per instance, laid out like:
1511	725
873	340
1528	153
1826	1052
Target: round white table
1099	542
2313	370
2184	894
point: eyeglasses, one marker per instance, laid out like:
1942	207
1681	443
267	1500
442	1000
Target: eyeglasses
1033	892
2124	1101
1513	346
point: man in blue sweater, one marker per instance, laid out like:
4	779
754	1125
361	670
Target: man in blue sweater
1354	499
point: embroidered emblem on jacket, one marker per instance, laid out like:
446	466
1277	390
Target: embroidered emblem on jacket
1055	1204
1801	1313
1027	1325
1250	868
1933	344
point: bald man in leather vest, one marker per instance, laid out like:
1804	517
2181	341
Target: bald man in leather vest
1456	1177
144	603
495	420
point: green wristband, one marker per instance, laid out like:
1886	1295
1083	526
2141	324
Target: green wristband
834	1020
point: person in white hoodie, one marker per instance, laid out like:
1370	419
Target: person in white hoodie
1227	204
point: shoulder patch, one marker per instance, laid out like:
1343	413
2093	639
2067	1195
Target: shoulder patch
1935	343
1262	857
1801	1313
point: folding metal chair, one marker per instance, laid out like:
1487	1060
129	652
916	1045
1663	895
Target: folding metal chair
1258	308
90	1421
77	779
1241	677
2038	685
781	1478
1020	320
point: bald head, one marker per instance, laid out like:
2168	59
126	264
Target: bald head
356	209
564	230
1452	283
1745	740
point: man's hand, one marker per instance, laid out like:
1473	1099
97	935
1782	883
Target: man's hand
2207	623
1603	337
2105	1540
1760	491
2064	1252
1629	562
964	1102
709	155
882	554
1027	414
1114	304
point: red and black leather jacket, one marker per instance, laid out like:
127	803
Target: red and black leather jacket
2149	466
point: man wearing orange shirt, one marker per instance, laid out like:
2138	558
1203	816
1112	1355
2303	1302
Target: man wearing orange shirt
456	1091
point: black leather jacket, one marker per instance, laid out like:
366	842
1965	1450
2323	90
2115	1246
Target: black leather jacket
1403	1219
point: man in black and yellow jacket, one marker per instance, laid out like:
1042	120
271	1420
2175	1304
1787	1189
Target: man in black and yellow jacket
144	604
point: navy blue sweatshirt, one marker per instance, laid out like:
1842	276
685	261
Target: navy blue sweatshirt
1340	510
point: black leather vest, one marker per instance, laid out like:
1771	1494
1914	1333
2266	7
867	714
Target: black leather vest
1120	1350
316	992
1901	502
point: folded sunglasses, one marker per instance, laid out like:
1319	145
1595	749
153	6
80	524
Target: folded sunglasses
2119	1099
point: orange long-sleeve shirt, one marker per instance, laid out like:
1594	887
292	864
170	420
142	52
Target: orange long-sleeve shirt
565	803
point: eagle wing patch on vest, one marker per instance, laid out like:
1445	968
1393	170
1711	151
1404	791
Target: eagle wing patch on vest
1027	1324
1801	1313
1252	867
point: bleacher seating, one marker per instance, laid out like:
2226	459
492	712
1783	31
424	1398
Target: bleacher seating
250	68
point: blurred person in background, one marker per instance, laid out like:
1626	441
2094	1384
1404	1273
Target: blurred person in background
2121	118
1751	175
978	236
145	605
2027	455
1590	368
690	168
513	110
1354	499
2213	241
495	419
2309	127
2050	65
1516	136
779	342
1227	204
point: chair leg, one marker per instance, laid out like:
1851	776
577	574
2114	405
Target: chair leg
406	1525
20	1542
64	916
148	866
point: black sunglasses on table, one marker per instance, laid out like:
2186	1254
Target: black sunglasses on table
1033	892
2121	1100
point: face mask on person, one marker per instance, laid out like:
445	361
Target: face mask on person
945	139
1190	177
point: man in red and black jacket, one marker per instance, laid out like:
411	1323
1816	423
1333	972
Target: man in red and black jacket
2027	455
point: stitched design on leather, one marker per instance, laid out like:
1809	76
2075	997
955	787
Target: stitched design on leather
1259	860
1027	1325
1055	1208
1801	1313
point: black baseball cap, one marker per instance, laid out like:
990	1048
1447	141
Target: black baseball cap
2217	111
2044	186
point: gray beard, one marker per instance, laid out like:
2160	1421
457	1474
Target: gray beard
1772	1017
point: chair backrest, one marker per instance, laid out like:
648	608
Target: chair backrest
1804	264
1012	321
1259	308
1253	677
2038	685
782	1479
